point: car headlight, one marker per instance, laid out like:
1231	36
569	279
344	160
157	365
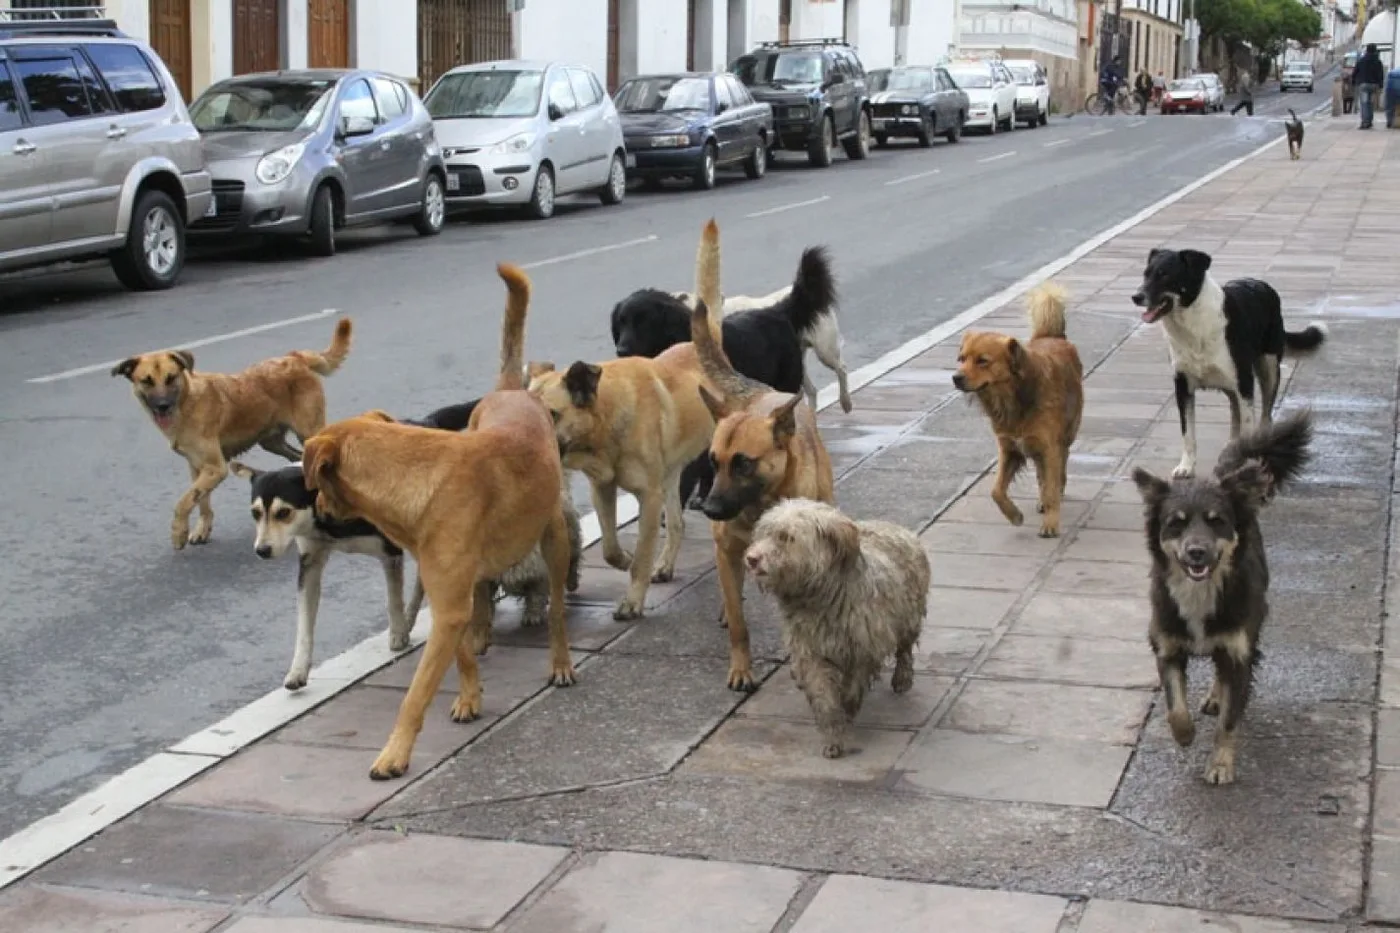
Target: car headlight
909	109
673	141
798	113
276	166
520	142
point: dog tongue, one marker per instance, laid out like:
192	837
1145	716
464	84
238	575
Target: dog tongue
1150	315
163	421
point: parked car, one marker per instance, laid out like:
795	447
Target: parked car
916	101
1032	91
818	93
306	153
1186	95
97	154
1296	76
1215	90
521	134
689	125
991	94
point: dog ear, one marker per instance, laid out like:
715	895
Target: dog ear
319	459
243	471
1016	355
1249	485
582	382
378	414
1153	253
719	408
844	537
785	420
185	358
1197	262
126	367
1152	488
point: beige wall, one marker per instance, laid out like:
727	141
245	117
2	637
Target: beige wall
1153	46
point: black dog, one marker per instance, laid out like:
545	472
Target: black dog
1210	576
1219	337
1294	131
447	418
762	343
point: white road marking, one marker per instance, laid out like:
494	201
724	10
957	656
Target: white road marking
1057	142
915	177
1136	123
594	251
55	834
1000	155
1100	133
789	207
191	345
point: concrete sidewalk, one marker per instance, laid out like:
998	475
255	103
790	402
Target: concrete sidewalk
1026	785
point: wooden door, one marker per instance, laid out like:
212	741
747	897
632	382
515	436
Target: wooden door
257	36
328	33
614	24
689	35
170	37
460	32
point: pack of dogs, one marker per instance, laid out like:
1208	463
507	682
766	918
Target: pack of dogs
707	406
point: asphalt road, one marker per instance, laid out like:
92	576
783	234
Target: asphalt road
112	646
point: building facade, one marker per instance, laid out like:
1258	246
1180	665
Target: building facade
1045	30
1153	33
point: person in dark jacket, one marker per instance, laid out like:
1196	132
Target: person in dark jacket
1369	76
1109	79
1246	89
1142	87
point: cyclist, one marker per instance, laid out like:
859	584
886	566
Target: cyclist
1109	80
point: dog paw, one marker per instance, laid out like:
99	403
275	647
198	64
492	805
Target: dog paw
295	680
533	619
386	768
179	537
741	680
399	642
1183	728
201	535
562	675
466	709
664	575
1049	531
1015	517
845	403
902	680
1184	470
627	610
1211	707
620	561
833	750
1221	769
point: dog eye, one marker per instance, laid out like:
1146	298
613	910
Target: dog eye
741	465
982	361
169	379
257	515
555	414
282	514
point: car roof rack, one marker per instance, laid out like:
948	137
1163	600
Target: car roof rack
803	43
57	21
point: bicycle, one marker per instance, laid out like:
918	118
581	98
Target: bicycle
1123	102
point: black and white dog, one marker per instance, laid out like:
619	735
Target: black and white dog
1219	337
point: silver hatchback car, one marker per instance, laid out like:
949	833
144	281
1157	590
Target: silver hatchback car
305	153
519	133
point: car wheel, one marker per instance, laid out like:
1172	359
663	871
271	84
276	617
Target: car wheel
323	222
819	153
756	165
926	133
882	140
1310	88
704	177
154	251
616	188
858	146
541	206
1044	118
954	134
433	214
995	124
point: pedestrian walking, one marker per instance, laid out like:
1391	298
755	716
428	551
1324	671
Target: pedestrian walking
1159	87
1142	89
1369	76
1246	89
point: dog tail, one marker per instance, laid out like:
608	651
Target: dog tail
707	290
1283	449
512	374
1046	304
323	364
813	289
1293	115
1309	338
704	327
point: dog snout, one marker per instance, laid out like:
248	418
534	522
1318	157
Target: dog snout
264	551
718	510
752	559
1196	553
960	382
624	349
1140	298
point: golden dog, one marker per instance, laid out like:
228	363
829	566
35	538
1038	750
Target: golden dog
1033	393
209	418
467	507
765	448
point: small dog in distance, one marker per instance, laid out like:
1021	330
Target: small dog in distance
1294	129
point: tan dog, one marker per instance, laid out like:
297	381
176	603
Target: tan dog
766	448
467	506
1034	395
211	417
632	423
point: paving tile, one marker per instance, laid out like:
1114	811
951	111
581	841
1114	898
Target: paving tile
776	749
1014	768
30	909
1121	916
947	650
1025	491
1097	578
1117	516
1124	547
509	674
1388	738
1055	711
1383	903
591	626
624	892
985	571
1004	539
780	698
1100	662
303	781
846	903
429	879
195	854
1390	677
980	509
1085	617
959	607
363	716
1386	820
310	925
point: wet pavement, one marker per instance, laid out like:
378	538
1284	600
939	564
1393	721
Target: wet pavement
1026	784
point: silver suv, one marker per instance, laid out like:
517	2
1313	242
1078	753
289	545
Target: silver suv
97	153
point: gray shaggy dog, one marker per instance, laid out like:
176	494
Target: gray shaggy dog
851	593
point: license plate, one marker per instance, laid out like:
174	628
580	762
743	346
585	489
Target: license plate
454	183
877	124
631	160
213	209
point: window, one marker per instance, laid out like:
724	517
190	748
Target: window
358	101
97	94
723	97
561	95
392	103
737	92
133	82
836	65
10	118
945	83
471	94
584	89
55	90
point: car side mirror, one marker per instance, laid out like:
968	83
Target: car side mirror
835	80
555	113
721	107
351	127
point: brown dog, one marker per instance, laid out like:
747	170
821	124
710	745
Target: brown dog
467	507
1034	395
211	417
765	448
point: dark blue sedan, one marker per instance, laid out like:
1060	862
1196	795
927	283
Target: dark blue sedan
689	125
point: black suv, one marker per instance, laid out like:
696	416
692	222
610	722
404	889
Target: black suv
818	94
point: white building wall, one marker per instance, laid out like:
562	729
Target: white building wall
711	29
384	35
817	19
661	32
868	29
763	21
571	30
294	33
933	31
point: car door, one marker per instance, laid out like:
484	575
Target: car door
842	94
948	105
364	158
727	122
26	206
406	148
1006	90
67	107
593	127
564	143
134	130
749	115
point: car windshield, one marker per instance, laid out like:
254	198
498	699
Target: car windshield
1298	66
467	94
1186	86
649	95
1023	76
261	106
779	68
968	78
911	79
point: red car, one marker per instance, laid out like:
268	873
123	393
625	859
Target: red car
1185	95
